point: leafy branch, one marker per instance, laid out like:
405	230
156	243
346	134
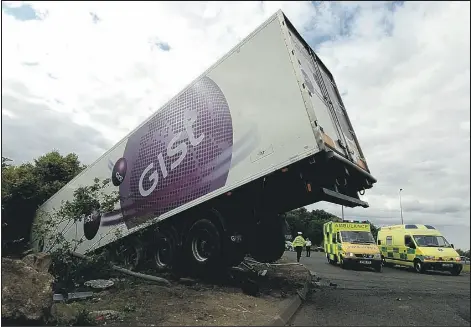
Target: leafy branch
50	227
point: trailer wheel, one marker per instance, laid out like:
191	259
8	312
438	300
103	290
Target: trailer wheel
268	242
164	250
203	246
129	254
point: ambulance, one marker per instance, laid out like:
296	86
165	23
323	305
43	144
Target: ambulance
419	246
350	243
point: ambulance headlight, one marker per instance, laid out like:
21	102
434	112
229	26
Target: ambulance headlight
377	256
458	258
349	254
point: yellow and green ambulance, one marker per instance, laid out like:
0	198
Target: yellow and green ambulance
419	246
350	243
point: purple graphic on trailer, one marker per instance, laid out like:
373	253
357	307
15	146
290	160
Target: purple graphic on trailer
182	153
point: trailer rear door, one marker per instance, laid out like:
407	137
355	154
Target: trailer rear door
330	112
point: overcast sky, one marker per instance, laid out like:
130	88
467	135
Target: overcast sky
78	77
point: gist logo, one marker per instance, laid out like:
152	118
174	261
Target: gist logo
180	154
172	151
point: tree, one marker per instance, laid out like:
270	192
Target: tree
5	163
25	188
465	253
374	230
47	230
310	223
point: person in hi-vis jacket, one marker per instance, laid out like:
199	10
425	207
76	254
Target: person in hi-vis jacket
308	247
298	244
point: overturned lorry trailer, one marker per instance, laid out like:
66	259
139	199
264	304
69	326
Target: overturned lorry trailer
204	179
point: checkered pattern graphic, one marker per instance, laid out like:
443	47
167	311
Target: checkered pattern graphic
396	253
205	166
330	249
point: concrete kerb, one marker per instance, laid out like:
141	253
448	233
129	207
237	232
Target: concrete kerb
291	305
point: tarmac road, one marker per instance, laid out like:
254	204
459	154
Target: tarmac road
395	297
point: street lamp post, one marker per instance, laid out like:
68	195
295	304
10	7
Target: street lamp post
400	205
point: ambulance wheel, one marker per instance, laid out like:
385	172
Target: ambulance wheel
378	268
456	271
386	264
336	260
330	261
419	266
343	264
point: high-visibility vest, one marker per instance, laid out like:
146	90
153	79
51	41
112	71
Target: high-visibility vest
299	241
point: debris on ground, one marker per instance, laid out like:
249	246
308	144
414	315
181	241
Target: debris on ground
99	283
222	302
64	314
187	281
79	295
103	316
58	297
72	296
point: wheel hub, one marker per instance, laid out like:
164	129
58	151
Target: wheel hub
201	249
418	266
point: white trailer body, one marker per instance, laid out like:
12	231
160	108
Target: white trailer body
261	108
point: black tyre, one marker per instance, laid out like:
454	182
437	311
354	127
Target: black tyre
203	247
343	264
268	240
456	270
419	267
378	268
387	264
330	261
128	255
164	251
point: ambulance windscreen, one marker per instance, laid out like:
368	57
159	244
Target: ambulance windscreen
431	241
360	237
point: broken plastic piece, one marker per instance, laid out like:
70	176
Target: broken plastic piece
58	297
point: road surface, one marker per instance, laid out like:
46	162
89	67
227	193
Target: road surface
395	297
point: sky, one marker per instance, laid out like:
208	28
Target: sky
72	71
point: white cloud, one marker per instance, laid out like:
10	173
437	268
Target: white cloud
99	68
